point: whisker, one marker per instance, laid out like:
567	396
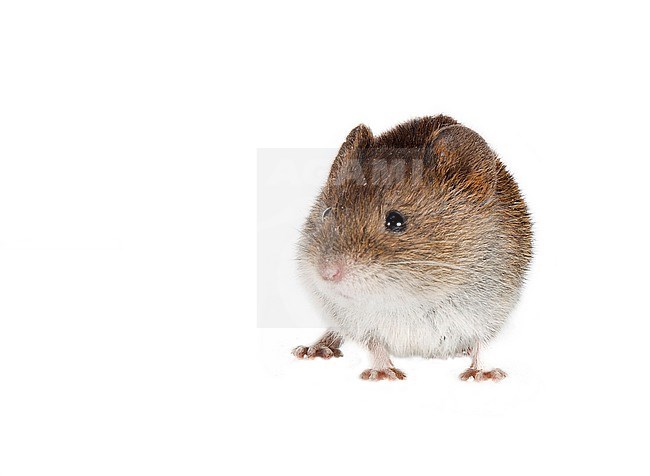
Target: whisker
444	264
433	263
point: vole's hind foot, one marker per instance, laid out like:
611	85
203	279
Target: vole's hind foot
479	375
313	351
390	373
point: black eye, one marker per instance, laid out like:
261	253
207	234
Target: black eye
395	221
326	212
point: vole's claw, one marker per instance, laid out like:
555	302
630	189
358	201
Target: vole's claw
383	374
311	352
479	375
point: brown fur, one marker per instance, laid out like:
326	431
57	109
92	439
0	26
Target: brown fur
453	190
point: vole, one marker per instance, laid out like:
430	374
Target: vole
417	245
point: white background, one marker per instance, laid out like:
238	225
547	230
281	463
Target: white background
128	142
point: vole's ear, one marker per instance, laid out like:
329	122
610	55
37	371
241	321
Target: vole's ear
358	139
459	159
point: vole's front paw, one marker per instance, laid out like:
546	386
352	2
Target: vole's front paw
383	374
313	351
480	375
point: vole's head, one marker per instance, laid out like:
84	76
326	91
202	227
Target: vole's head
402	214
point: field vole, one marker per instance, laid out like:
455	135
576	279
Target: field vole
417	246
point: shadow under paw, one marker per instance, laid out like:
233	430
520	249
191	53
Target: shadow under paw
311	352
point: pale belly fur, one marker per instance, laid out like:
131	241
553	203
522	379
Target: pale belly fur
431	330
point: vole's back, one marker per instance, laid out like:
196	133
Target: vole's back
516	224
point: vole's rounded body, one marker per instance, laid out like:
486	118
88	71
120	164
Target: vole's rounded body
417	245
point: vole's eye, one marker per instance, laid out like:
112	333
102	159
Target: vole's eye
326	212
395	221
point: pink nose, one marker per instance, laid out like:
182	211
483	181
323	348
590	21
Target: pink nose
332	272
